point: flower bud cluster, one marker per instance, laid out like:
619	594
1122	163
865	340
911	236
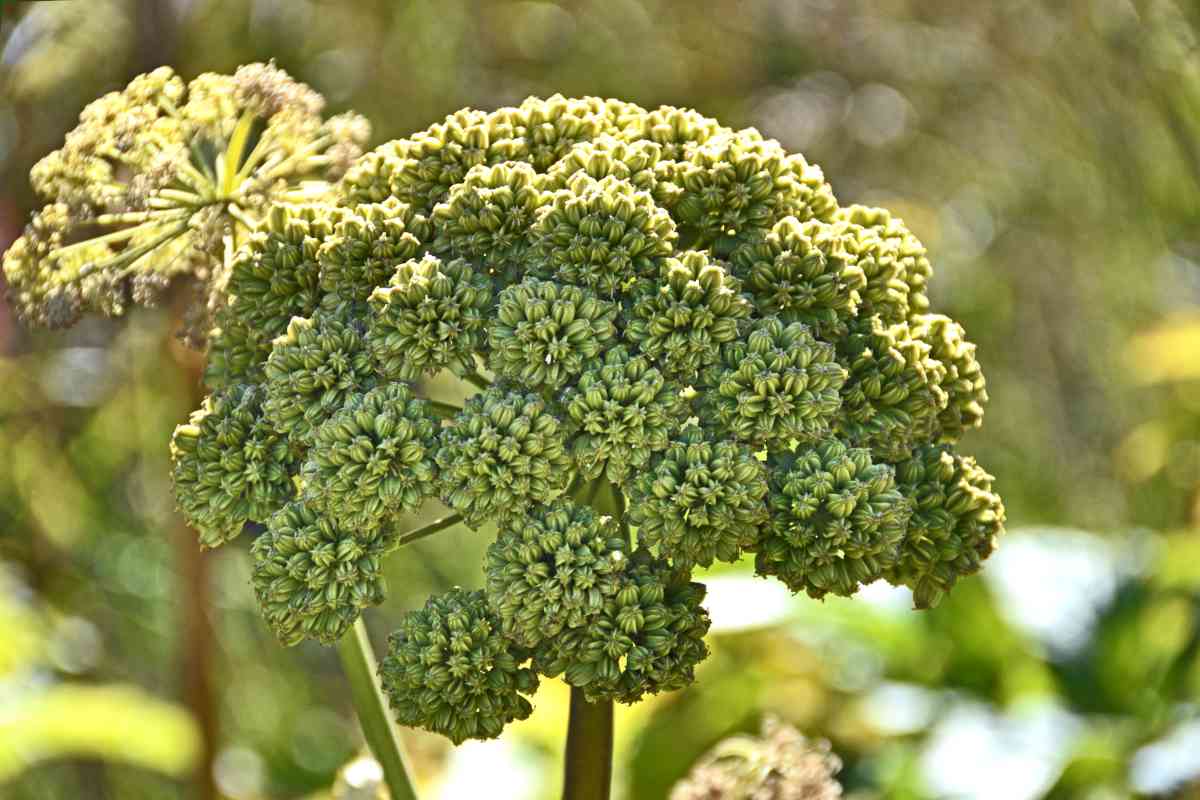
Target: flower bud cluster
449	669
675	349
154	180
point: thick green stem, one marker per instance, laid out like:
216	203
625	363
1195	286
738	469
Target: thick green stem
587	773
588	770
358	662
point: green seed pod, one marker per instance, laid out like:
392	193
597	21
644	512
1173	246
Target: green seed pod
799	273
373	459
682	321
700	500
621	412
893	397
313	577
430	316
775	385
648	638
274	277
891	258
603	234
545	333
365	249
956	520
964	384
736	186
487	219
836	520
503	452
313	368
449	670
230	466
555	568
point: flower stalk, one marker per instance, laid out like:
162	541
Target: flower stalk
358	663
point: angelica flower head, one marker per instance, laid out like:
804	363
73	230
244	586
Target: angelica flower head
658	343
154	180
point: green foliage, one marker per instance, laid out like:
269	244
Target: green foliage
449	670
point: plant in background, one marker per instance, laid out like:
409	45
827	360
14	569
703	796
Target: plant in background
778	765
678	348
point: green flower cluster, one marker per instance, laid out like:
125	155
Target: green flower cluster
675	348
157	179
449	669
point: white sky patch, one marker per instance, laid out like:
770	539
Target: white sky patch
739	602
1053	583
975	753
1169	763
495	768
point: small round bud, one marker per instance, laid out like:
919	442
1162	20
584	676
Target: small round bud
555	568
621	412
313	368
775	385
488	217
449	670
429	317
682	320
545	333
737	185
955	522
365	249
836	520
503	452
893	396
799	273
373	459
274	277
230	466
890	257
313	577
648	638
700	500
963	383
603	234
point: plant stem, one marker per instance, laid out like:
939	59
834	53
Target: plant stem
588	770
587	773
358	662
437	526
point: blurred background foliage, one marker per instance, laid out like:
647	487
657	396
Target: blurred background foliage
1047	152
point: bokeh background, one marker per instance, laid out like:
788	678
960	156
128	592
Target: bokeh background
1048	154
